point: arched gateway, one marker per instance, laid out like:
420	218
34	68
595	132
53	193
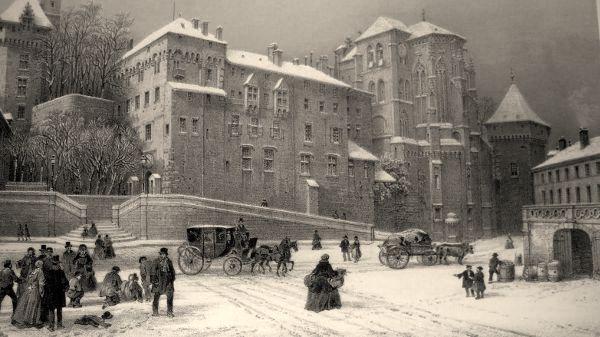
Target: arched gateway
573	248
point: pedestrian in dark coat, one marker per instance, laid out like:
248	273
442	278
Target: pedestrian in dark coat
84	264
20	233
145	272
7	280
111	288
316	241
163	279
109	250
494	264
479	283
356	249
68	257
467	280
93	231
27	264
345	247
27	234
321	294
75	292
99	252
54	294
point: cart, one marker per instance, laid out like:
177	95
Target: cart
396	251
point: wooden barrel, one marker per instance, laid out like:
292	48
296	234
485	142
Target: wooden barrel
530	273
554	274
507	271
542	270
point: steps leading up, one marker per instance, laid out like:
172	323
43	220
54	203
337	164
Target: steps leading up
104	227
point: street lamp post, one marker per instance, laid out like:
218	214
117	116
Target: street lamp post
144	163
52	162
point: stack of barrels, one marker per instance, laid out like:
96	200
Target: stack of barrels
554	273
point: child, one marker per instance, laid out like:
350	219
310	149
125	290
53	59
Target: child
356	249
75	292
479	283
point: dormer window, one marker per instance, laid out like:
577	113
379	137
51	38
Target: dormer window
251	98
281	103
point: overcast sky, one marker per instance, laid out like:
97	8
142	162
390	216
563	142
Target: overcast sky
553	45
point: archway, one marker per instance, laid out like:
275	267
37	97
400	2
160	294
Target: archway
573	248
146	188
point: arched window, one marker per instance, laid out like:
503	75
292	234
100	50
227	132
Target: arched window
372	90
420	100
381	92
379	54
456	135
401	89
442	88
369	56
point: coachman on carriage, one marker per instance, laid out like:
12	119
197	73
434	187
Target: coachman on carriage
208	242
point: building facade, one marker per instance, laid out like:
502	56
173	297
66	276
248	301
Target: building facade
518	136
22	25
238	126
426	119
563	224
5	134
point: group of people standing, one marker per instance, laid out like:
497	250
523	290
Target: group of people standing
474	282
23	233
103	248
43	284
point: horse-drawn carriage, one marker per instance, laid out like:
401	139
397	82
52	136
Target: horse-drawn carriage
208	242
396	250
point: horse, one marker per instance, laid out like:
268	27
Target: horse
286	256
264	254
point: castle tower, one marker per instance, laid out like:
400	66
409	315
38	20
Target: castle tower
22	25
52	10
518	136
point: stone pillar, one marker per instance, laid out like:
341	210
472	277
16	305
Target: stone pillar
451	223
312	197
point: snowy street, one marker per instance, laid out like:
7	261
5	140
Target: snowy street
377	301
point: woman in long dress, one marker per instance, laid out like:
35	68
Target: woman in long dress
29	308
83	263
321	294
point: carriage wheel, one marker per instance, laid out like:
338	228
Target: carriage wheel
190	260
398	259
232	266
429	260
207	264
383	257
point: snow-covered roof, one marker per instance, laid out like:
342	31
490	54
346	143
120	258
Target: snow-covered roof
573	153
552	153
179	26
449	142
381	25
8	116
211	226
197	89
356	152
133	178
425	28
406	140
258	61
514	108
312	183
249	79
350	55
15	10
436	162
155	176
278	84
383	177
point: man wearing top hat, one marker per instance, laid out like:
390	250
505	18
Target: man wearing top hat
68	257
163	279
7	280
467	280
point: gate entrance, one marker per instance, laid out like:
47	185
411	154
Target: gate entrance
573	248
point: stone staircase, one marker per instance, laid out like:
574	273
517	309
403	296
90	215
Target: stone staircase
104	227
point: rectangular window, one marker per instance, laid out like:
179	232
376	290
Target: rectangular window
577	172
322	88
566	173
588	190
598	193
335	92
438	214
306	85
514	171
357	111
335	108
544	197
305	164
21	86
308	134
253	127
559	196
128	105
209	75
568	195
137	102
24	62
350	168
276	130
182	124
366	170
336	135
549	177
167	129
332	165
588	172
235	125
141	75
598	167
266	98
557	176
436	182
306	104
268	160
156	66
577	195
357	130
156	94
148	132
20	112
195	125
543	175
551	197
246	158
321	106
146	98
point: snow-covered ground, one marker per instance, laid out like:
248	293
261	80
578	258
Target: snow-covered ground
377	301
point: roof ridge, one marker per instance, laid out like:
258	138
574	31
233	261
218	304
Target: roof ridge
515	108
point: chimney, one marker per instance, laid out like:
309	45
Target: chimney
325	62
130	44
219	33
196	23
562	143
205	28
270	49
305	60
310	60
277	57
584	137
